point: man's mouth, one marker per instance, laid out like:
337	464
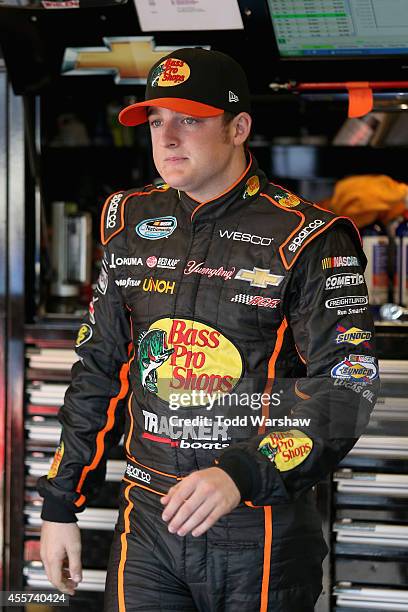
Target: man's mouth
175	159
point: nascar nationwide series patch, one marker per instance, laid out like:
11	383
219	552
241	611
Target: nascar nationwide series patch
156	228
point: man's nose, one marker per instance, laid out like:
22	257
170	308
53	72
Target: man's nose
169	135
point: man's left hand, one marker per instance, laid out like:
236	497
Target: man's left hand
199	500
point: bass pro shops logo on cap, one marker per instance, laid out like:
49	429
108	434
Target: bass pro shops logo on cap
169	73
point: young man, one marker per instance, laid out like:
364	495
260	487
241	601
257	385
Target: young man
240	314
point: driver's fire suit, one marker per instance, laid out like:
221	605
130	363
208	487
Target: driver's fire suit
236	333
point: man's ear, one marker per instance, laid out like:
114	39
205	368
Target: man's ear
242	128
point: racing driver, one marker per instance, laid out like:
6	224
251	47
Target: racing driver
230	338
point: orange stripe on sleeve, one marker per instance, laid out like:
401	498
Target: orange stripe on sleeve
300	393
100	438
129	437
123	553
267	559
302	359
122	213
271	372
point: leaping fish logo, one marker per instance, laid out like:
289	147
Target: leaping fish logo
152	353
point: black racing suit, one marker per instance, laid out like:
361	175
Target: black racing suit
243	323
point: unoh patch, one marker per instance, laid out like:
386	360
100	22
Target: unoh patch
156	228
59	453
84	334
286	449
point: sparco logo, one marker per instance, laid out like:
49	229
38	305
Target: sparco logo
135	472
113	211
252	238
302	235
344	280
348	300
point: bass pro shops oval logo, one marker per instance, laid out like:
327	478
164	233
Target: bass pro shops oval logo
188	360
169	73
286	449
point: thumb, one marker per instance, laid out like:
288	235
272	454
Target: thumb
75	566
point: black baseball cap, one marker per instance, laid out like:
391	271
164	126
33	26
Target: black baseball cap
200	82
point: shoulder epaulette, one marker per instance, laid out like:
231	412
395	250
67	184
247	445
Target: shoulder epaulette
113	212
113	218
311	221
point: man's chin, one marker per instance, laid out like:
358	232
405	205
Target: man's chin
176	182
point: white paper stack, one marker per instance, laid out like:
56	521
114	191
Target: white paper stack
370	483
103	519
362	598
374	534
92	580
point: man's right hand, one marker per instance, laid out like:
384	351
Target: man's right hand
61	555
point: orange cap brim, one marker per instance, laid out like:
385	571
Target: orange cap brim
135	114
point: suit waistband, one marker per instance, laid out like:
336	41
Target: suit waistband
149	478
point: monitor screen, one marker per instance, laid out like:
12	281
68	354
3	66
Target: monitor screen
340	28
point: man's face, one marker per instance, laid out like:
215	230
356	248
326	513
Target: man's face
189	152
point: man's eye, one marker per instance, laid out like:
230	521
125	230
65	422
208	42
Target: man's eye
155	122
190	120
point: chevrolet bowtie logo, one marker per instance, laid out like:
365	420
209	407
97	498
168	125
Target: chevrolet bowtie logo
259	277
128	59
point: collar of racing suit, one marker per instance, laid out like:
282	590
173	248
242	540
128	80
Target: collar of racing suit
251	182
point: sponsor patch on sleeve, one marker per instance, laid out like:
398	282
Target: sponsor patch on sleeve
112	220
84	334
59	453
103	279
286	449
356	368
